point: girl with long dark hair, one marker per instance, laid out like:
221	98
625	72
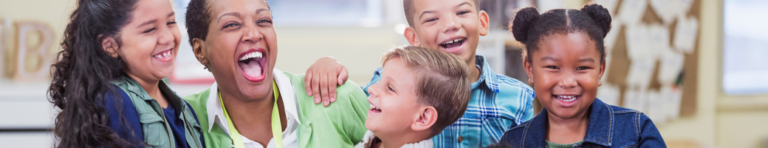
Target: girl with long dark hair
108	80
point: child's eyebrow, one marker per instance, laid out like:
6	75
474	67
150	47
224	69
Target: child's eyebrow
587	60
549	58
231	13
261	10
464	3
425	12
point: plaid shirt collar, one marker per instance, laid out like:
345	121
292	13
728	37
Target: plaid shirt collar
487	76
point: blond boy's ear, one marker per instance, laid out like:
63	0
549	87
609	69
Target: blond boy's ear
484	23
199	49
410	35
426	119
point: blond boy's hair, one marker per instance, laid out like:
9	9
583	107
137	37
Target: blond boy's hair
409	10
442	82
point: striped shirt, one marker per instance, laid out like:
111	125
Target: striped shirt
498	103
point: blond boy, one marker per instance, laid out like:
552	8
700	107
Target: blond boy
422	92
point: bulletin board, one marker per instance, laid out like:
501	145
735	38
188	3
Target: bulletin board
620	63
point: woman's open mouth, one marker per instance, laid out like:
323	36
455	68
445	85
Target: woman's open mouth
252	64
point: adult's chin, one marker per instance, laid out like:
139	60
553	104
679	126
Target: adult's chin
255	90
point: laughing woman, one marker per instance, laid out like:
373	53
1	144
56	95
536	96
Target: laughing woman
252	104
108	82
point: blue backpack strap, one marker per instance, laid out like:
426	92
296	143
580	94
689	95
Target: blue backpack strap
117	103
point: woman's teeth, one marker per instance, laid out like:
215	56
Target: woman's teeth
251	55
567	98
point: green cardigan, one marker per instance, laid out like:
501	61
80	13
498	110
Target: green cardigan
342	124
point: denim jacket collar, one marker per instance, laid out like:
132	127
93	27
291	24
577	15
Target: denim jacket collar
598	130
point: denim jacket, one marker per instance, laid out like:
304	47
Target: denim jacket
609	126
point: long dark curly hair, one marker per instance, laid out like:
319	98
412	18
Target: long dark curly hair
82	74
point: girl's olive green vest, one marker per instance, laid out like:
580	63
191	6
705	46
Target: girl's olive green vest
154	124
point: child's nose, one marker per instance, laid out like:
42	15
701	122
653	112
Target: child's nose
451	25
567	82
373	90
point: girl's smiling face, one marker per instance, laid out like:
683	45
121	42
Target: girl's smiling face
565	72
150	41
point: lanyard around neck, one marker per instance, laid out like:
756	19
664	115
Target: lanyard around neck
277	127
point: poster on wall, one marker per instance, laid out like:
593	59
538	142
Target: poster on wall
32	52
649	54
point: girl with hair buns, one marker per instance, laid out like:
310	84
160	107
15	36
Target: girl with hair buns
565	59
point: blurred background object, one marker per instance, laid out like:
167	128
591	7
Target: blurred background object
745	47
696	67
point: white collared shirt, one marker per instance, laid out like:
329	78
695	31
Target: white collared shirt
369	136
216	113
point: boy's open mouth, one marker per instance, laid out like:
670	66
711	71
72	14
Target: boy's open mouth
451	44
567	100
252	64
374	109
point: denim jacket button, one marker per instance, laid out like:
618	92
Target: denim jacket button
461	139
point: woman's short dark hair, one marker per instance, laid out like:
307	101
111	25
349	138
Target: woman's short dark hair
198	18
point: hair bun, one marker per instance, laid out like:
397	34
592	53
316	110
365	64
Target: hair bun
600	15
522	22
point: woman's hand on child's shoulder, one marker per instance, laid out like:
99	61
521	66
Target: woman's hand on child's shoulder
322	78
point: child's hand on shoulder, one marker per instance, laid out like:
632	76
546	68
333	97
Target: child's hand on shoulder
322	78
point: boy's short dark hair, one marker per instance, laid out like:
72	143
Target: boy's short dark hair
442	82
409	10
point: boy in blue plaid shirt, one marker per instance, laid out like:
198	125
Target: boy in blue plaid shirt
497	102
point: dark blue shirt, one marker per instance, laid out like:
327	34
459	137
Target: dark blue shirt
131	128
177	126
609	126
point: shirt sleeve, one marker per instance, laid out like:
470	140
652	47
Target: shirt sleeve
375	79
117	103
356	122
527	110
